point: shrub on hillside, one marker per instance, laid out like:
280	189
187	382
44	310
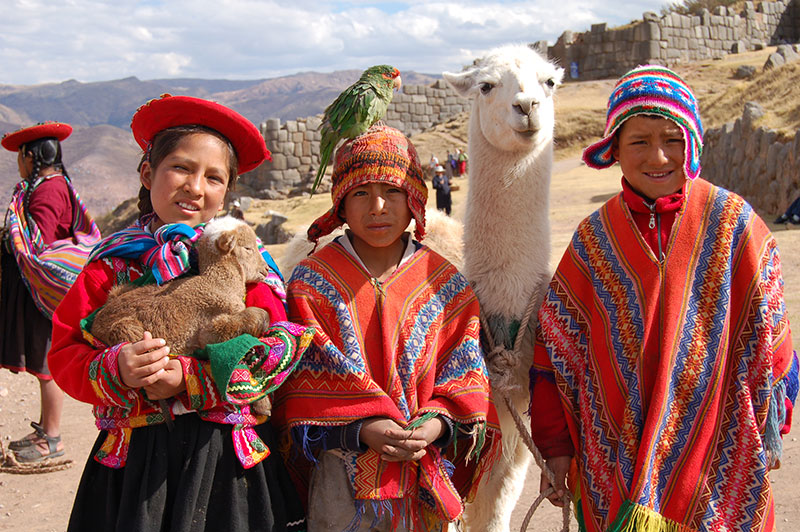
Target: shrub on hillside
693	7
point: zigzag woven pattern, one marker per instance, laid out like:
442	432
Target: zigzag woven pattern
400	349
688	452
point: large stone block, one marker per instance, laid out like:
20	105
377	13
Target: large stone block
291	126
273	124
650	16
278	161
313	122
774	60
292	177
788	52
283	135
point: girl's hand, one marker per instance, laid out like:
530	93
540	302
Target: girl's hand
142	363
170	384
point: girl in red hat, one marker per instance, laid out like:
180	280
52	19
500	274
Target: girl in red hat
47	236
202	459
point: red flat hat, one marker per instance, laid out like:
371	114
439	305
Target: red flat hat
170	111
58	130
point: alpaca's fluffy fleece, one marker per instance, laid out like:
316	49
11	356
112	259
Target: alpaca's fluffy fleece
507	235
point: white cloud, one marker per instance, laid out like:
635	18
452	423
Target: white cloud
94	40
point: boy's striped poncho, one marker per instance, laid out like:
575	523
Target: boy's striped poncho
673	376
405	348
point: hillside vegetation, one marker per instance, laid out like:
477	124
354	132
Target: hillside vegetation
580	107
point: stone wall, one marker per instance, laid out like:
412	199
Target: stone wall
752	162
604	52
295	144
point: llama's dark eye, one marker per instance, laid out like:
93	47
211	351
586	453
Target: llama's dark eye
486	87
550	83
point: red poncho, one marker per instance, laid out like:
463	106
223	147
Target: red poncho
672	375
399	349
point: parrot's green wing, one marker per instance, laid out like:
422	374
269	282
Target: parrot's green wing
353	112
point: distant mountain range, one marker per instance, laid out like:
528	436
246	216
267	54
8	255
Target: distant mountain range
101	156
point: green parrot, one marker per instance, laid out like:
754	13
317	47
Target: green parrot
355	110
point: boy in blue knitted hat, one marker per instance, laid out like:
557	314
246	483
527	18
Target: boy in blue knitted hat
664	374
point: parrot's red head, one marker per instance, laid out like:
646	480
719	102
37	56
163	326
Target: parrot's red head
386	72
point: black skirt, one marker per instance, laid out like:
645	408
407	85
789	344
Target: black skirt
24	330
188	479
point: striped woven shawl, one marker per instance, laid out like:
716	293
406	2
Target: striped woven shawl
49	270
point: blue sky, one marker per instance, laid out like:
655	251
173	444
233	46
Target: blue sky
93	40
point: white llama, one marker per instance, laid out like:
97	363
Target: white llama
507	238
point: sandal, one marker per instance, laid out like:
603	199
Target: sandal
31	453
29	440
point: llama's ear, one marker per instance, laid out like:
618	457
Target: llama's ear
462	82
226	241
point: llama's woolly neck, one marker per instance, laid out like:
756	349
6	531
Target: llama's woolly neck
506	226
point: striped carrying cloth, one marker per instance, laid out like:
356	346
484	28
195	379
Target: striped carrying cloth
49	270
691	451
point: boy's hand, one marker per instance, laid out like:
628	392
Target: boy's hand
169	384
396	444
559	465
141	363
430	431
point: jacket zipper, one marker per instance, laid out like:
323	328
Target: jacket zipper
655	220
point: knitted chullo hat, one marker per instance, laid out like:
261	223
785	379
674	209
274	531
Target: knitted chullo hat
657	91
380	155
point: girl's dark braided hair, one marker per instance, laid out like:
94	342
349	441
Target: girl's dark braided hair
46	152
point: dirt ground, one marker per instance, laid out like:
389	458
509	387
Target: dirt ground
40	503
